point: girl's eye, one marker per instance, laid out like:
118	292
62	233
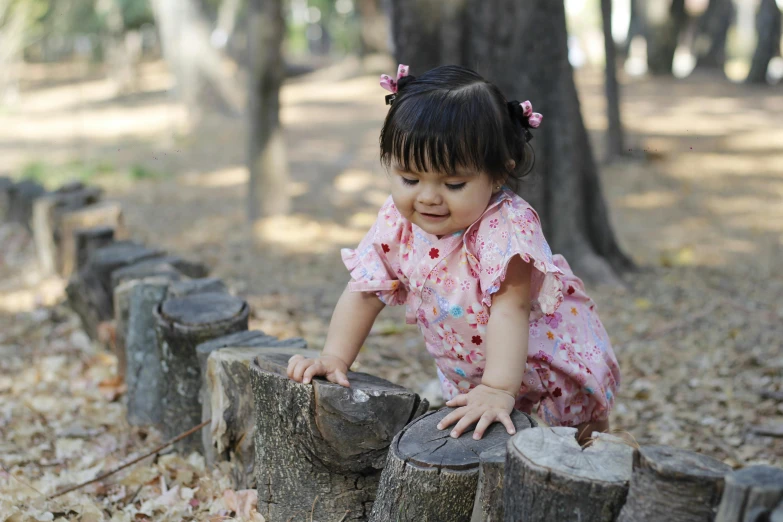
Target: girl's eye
409	181
457	186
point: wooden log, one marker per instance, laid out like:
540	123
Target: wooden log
197	286
89	291
430	476
488	503
143	377
228	401
87	241
321	446
751	494
182	323
156	265
103	214
5	189
20	201
550	477
674	485
48	211
122	295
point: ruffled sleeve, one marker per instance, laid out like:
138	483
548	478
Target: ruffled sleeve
513	228
374	264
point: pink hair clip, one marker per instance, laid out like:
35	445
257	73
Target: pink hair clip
391	84
534	119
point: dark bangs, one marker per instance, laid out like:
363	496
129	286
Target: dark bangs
448	118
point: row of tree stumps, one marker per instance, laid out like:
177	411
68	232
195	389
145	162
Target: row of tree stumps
327	453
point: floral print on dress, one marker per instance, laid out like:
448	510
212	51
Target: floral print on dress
447	286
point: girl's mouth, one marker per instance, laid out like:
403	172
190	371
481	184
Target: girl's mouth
434	217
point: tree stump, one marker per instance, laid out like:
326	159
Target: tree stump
674	485
430	476
122	298
247	338
47	216
155	265
182	324
143	376
550	477
488	505
89	291
86	241
20	201
5	189
320	447
104	214
228	401
197	286
751	495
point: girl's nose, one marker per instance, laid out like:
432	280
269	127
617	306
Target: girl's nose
429	195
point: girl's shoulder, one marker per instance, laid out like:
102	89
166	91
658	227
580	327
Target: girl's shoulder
506	211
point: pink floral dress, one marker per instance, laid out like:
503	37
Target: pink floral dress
447	284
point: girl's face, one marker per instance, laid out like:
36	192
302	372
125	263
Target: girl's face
441	204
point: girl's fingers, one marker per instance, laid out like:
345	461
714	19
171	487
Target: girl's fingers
459	400
316	368
451	418
300	368
341	379
483	423
292	364
505	418
465	422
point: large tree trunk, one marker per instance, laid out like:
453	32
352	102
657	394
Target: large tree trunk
614	131
768	46
713	26
184	35
373	27
522	48
665	21
636	26
267	160
13	21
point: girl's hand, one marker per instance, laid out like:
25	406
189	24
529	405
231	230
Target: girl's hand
303	370
482	403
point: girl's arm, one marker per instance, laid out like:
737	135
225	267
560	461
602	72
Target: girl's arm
506	356
352	319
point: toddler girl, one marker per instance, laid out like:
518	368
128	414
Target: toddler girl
508	324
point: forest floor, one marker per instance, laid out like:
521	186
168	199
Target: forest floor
698	330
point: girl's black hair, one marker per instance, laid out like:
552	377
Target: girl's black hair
451	117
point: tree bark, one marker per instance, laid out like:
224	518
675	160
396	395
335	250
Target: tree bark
227	399
321	447
768	27
663	33
184	36
751	494
430	476
636	26
88	240
522	48
674	485
267	161
614	131
488	505
182	324
104	214
712	30
166	263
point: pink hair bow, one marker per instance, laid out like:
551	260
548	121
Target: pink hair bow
390	84
533	118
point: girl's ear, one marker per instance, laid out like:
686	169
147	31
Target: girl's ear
511	165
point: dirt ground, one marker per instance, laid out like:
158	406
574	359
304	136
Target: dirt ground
698	204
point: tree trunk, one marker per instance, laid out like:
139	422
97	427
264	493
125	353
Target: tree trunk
20	201
185	40
614	131
751	494
119	60
713	27
636	26
768	24
522	48
88	240
674	485
16	17
267	162
204	285
320	447
227	399
663	33
373	27
105	214
226	22
182	324
488	505
430	476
